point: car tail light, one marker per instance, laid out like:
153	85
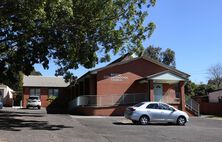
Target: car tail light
132	109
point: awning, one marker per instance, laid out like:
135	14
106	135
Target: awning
163	77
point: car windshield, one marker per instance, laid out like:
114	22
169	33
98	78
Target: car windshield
138	105
32	98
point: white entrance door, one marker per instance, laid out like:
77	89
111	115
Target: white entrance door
158	92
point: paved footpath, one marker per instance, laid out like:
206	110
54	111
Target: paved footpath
37	126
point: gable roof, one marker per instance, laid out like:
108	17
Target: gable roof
121	59
169	74
114	63
43	81
164	76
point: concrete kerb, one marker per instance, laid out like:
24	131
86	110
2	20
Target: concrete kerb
214	117
85	117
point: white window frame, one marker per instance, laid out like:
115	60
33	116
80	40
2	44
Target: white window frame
36	92
52	92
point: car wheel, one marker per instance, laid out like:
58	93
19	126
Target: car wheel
181	120
39	107
144	120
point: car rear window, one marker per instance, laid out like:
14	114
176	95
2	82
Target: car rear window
32	98
138	105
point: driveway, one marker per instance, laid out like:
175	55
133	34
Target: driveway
19	125
22	125
122	130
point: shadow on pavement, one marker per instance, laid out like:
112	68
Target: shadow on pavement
15	121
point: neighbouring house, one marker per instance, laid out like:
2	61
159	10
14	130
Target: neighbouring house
127	81
53	91
215	96
6	95
210	104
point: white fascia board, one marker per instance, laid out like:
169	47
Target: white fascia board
168	76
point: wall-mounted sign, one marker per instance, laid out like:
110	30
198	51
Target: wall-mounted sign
116	77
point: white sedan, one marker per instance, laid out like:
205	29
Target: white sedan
146	112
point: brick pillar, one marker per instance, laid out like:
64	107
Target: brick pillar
151	90
44	96
182	96
25	96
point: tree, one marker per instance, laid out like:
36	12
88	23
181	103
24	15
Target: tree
167	57
69	32
201	90
215	76
190	88
153	52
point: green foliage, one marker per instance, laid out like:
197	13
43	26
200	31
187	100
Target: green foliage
71	32
15	81
51	98
20	84
69	77
190	88
210	87
167	57
201	90
153	52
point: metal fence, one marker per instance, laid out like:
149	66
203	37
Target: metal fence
116	100
108	100
193	106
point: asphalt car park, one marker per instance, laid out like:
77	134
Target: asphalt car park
19	125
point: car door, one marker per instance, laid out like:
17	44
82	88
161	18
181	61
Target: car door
154	112
167	112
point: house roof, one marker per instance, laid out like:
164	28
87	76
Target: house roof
168	73
43	81
215	91
119	61
3	85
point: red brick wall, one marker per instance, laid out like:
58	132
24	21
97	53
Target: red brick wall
177	106
101	111
169	92
25	96
133	70
106	111
182	96
44	96
61	101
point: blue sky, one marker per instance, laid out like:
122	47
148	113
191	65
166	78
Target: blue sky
192	28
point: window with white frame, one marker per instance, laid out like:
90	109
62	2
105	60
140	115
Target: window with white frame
53	92
34	91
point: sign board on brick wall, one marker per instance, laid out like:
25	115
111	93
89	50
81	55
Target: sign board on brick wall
116	77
